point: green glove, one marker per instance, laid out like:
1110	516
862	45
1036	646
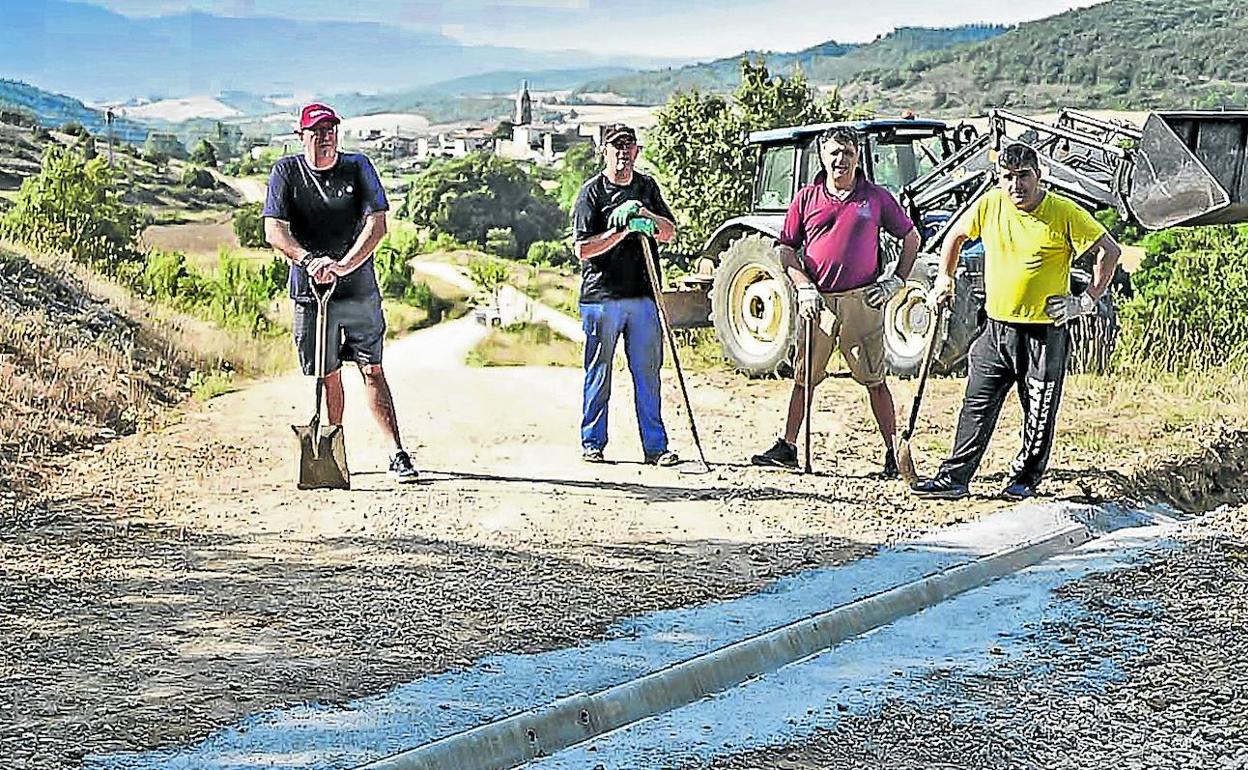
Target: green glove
642	225
622	213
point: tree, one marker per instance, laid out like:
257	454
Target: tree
72	206
249	226
580	162
204	154
467	197
697	144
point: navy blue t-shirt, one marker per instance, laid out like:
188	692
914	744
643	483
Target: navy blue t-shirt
326	211
619	273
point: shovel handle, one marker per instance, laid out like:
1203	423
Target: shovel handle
928	348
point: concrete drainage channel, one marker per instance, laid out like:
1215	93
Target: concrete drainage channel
511	742
628	700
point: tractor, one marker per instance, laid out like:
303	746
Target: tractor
1179	169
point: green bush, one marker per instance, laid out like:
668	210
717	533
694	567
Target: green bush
72	207
501	242
167	278
552	253
1190	307
394	275
196	177
205	154
488	273
249	226
238	295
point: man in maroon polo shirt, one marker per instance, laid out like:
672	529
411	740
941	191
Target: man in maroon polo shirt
835	221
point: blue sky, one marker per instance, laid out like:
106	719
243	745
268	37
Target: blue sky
667	28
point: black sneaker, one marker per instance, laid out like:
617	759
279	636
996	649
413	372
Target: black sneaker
666	458
1018	490
401	469
890	465
942	488
782	455
592	454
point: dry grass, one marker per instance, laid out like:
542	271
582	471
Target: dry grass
1120	418
525	345
60	390
82	361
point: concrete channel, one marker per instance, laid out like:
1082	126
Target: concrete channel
549	709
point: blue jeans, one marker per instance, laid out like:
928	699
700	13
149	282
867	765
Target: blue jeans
638	321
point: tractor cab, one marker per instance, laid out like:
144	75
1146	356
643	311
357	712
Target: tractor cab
893	153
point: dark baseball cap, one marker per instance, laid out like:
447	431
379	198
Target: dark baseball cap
616	130
317	113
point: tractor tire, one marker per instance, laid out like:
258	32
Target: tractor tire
1093	338
754	308
906	320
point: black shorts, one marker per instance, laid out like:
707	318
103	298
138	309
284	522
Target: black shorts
354	332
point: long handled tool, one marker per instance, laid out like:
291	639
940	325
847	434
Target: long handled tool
905	460
671	344
322	450
808	358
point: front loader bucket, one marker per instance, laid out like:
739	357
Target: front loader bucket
322	457
1190	170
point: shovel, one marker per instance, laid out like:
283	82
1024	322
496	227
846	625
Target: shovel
671	344
322	450
905	461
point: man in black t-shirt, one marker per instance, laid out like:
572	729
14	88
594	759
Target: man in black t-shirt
326	212
614	210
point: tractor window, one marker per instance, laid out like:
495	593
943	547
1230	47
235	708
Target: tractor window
896	165
775	178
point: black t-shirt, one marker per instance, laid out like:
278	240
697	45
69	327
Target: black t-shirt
326	211
619	273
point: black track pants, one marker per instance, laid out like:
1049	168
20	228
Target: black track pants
1031	357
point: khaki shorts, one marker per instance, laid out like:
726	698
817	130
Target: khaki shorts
847	323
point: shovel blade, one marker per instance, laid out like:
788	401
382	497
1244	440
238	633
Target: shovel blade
905	463
322	457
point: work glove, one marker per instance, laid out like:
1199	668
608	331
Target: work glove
880	292
809	303
619	216
644	225
1064	308
942	291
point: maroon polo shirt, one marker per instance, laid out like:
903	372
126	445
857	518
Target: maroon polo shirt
842	238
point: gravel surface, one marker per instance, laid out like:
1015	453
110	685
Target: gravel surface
127	636
1169	638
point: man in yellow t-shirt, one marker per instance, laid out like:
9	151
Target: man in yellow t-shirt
1031	236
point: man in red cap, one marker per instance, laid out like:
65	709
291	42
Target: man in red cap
326	211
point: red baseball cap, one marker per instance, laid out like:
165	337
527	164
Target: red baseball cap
316	113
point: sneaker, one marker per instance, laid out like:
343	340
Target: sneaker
666	458
401	469
890	465
1018	490
782	455
940	487
592	454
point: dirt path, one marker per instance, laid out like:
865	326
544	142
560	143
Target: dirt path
176	581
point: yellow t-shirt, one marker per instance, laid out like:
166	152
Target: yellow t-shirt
1027	254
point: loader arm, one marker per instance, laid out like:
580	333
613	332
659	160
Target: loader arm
1179	169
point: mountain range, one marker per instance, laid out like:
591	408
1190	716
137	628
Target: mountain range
100	55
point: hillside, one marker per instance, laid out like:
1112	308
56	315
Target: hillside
825	63
158	188
1123	54
54	110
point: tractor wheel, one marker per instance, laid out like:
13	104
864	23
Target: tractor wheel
907	318
1093	338
754	308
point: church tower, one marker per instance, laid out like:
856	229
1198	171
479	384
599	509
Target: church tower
524	106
